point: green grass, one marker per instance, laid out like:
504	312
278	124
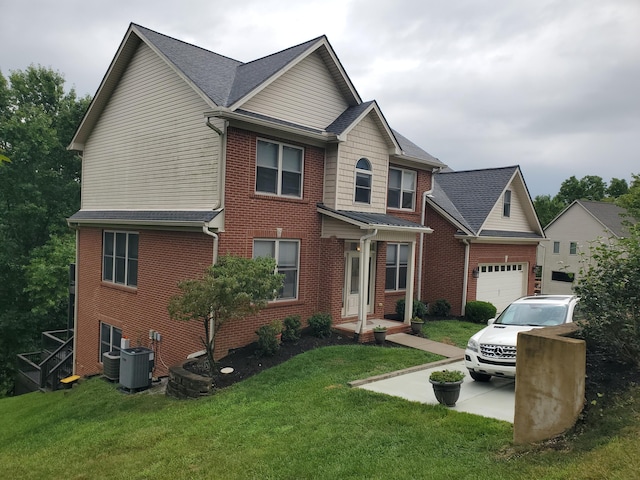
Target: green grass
452	332
299	420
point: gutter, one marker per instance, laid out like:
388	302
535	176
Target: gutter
465	279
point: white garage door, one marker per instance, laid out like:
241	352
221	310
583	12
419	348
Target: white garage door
501	283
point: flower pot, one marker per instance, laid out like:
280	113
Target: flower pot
416	327
446	393
379	336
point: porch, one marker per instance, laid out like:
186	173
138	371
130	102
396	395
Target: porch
348	328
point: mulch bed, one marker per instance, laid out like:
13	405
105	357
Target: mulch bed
246	361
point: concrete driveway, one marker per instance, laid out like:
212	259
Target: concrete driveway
494	399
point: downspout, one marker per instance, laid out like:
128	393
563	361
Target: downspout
365	242
425	194
465	279
206	231
75	305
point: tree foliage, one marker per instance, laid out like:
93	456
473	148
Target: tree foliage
631	199
609	290
232	288
39	189
547	208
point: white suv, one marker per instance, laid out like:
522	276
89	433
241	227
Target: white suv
492	351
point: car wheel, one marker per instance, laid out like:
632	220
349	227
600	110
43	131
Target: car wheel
480	377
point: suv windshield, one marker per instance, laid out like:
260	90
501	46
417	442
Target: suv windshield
534	315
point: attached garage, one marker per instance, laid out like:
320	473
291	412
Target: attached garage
501	283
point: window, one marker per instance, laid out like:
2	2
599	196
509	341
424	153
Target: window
506	206
573	248
556	247
279	169
402	189
286	254
397	261
109	339
120	258
562	276
363	181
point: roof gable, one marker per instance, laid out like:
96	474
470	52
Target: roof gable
468	198
610	216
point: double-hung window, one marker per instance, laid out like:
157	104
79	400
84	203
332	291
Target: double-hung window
286	254
573	248
402	189
396	268
279	169
363	181
109	338
556	247
506	205
120	258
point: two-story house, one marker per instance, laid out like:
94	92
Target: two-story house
188	155
570	237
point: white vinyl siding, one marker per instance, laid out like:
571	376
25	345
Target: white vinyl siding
330	172
364	140
517	220
305	95
150	148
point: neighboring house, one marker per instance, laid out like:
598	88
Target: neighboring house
188	155
485	237
569	237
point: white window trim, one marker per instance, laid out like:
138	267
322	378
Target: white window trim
276	252
279	178
506	203
571	244
397	268
402	189
112	346
554	247
126	258
355	181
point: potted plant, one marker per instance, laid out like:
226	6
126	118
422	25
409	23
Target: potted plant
416	325
446	386
379	334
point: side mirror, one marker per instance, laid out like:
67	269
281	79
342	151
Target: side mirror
491	321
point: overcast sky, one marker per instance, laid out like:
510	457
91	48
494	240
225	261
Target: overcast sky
550	85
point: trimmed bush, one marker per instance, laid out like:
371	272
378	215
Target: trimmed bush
440	308
291	331
268	342
320	324
419	308
479	311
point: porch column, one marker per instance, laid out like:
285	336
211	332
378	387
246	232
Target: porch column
365	248
411	269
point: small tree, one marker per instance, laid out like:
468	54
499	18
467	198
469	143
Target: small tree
232	288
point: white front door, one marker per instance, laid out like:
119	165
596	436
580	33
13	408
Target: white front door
352	284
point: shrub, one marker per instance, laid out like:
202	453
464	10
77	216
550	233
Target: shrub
268	342
291	331
440	308
608	311
419	308
445	376
320	324
479	311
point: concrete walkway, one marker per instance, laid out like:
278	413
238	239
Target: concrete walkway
493	399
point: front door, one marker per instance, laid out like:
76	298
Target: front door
352	283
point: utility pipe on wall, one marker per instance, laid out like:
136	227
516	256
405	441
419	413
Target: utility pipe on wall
465	279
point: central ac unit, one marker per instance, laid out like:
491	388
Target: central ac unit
136	367
111	365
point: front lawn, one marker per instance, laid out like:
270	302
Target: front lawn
297	420
452	332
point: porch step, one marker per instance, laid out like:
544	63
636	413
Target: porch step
420	343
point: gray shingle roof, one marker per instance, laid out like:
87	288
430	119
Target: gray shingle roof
469	196
412	150
212	73
609	214
154	216
373	220
347	118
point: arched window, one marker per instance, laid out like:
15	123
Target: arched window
363	181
